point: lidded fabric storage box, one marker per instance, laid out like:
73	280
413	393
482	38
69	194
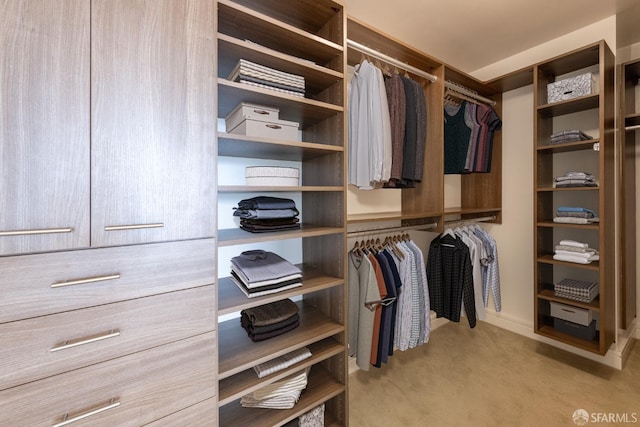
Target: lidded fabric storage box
245	110
569	88
313	418
577	315
276	129
272	175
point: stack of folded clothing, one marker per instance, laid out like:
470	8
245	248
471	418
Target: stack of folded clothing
258	273
578	252
282	394
575	179
578	290
565	136
270	320
264	214
575	215
283	362
253	74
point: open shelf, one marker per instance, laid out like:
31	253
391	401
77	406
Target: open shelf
236	236
243	23
321	387
236	352
548	259
569	106
231	299
267	148
589	345
548	295
275	188
552	224
568	146
247	381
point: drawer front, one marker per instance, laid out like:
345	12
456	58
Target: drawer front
37	285
203	414
36	348
128	391
581	316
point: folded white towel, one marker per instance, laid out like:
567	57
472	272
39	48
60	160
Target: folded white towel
586	255
575	259
573	243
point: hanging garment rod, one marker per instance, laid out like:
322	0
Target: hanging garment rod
389	60
470	220
455	87
634	127
389	230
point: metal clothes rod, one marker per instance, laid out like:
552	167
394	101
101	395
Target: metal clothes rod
634	127
389	230
469	220
389	60
463	90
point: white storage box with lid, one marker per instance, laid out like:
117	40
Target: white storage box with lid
272	175
245	110
275	129
582	316
569	88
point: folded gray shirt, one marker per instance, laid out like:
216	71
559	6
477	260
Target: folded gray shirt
259	265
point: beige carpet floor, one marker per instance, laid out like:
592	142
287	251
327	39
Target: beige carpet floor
488	376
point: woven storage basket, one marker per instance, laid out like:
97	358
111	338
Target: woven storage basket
272	175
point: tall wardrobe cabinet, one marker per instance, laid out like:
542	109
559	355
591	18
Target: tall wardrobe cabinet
107	249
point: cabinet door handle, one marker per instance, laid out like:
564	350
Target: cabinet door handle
85	280
113	403
35	231
133	226
94	338
274	126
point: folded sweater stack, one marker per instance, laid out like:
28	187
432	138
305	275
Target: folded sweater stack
575	179
253	74
270	320
575	215
264	214
577	252
282	394
259	272
565	136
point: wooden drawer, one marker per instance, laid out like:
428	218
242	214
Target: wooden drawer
33	285
137	389
203	414
35	348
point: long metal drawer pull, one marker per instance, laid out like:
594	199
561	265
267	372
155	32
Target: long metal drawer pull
113	403
85	280
133	226
75	343
36	231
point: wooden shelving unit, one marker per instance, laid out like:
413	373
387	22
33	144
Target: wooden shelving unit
629	137
594	112
310	43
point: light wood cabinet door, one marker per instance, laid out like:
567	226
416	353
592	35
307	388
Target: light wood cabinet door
44	125
152	120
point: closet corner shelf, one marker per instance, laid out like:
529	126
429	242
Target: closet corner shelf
548	295
548	259
247	381
567	147
277	189
551	224
231	299
236	352
304	111
589	345
469	211
546	189
587	102
374	217
321	387
244	23
232	145
236	236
